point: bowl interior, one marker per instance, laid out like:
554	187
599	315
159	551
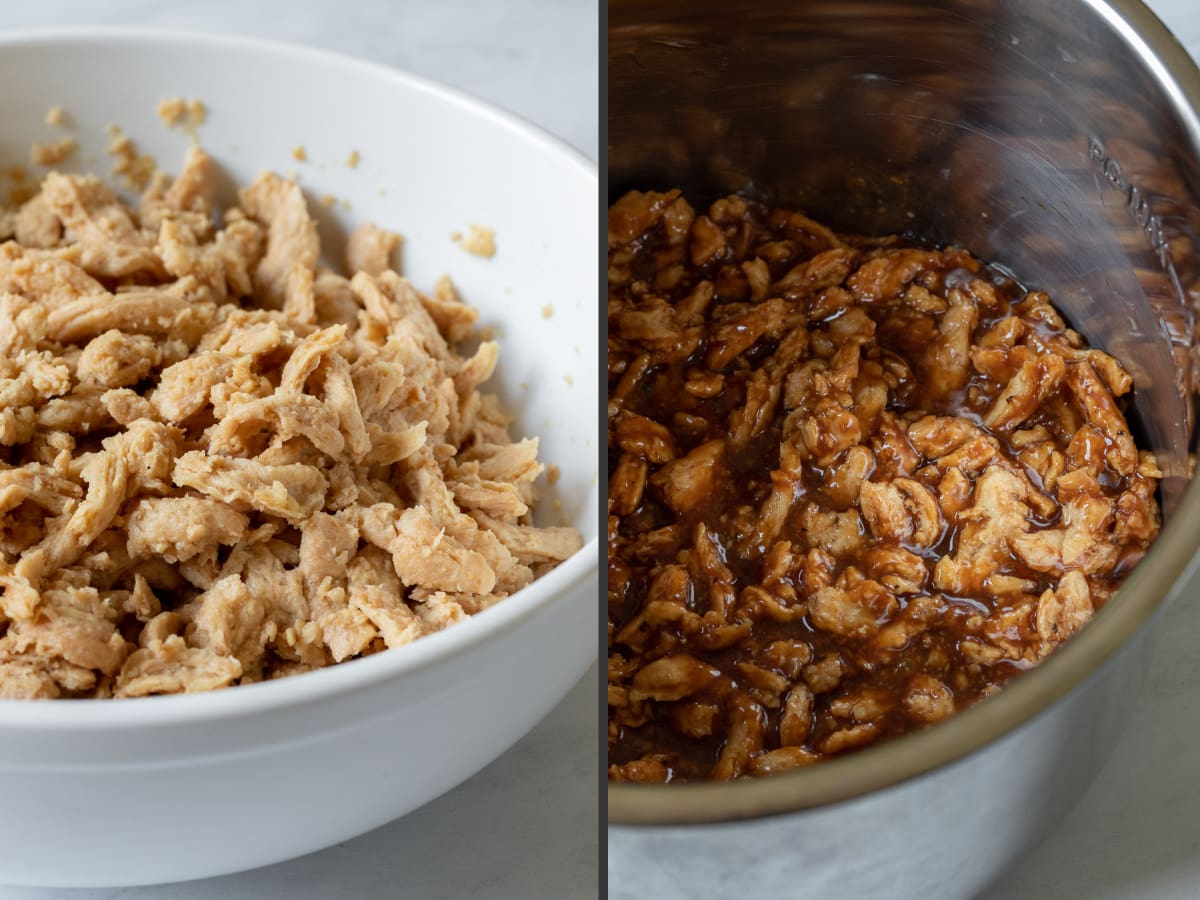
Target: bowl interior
431	162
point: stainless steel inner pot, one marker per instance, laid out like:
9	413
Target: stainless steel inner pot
1060	140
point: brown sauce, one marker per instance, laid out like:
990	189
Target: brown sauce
855	485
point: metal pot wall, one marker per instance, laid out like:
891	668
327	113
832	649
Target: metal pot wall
1061	140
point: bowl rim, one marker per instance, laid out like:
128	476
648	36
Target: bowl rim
331	682
1152	585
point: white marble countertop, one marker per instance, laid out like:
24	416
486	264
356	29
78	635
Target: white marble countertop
528	825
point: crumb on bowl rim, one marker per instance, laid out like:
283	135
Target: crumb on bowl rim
464	99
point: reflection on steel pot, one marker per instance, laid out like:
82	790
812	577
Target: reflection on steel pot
1063	141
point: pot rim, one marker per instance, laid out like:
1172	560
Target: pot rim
1155	582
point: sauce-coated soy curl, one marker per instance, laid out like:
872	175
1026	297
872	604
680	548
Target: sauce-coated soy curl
855	485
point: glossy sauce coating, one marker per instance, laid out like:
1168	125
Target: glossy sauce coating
854	486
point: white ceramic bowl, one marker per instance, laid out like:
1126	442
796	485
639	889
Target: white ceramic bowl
170	788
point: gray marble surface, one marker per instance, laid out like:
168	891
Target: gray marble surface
528	825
